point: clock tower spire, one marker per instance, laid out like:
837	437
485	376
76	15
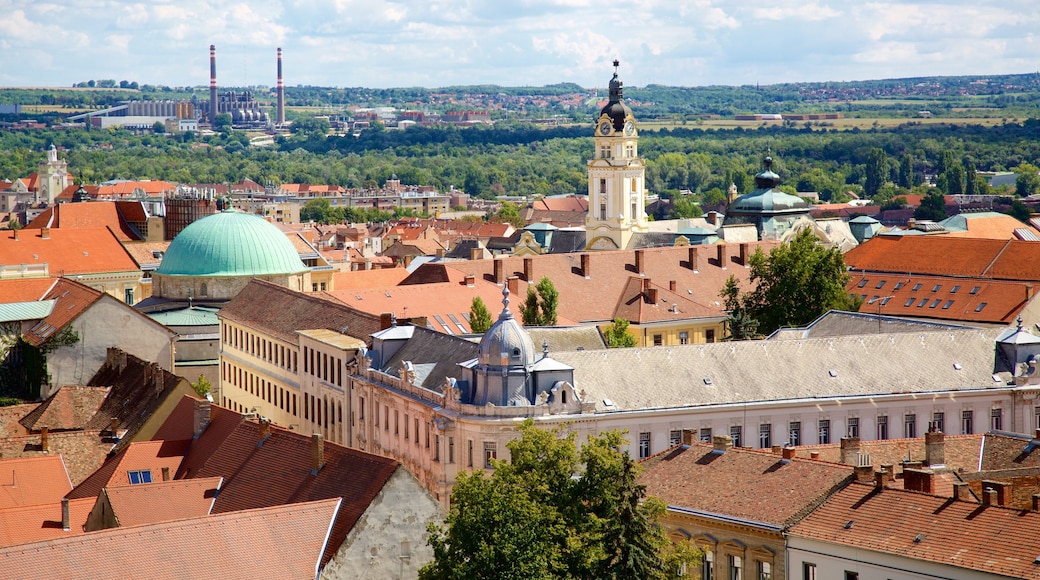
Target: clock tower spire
617	198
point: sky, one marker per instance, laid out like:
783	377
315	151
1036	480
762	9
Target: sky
435	43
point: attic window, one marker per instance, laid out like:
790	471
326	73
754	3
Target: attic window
358	296
879	285
832	373
957	366
707	381
918	538
936	287
916	287
885	300
980	306
862	283
873	299
975	289
899	285
140	476
948	304
954	289
922	303
935	303
909	302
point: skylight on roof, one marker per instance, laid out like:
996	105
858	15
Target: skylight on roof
975	289
916	287
980	306
935	303
922	303
908	303
885	300
948	304
954	289
879	285
862	283
899	285
936	287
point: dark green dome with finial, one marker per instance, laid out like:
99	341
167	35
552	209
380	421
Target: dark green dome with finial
771	211
616	108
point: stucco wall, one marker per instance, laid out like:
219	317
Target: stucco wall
108	322
389	541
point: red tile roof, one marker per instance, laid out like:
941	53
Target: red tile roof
24	289
21	525
72	299
66	251
82	451
959	534
637	306
134	505
572	203
29	481
278	542
102	214
770	490
150	456
948	256
70	407
278	472
941	297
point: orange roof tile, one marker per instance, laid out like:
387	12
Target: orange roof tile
144	253
277	542
925	527
82	451
10	417
770	491
571	203
377	278
101	214
29	481
948	256
941	297
135	505
151	456
21	525
70	407
66	251
636	305
24	289
72	299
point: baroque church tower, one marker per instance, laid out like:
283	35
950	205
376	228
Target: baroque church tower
617	198
52	177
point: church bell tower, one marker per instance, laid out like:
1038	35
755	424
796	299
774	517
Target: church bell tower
617	195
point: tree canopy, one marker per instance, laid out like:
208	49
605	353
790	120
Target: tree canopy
539	307
552	511
617	335
479	316
794	284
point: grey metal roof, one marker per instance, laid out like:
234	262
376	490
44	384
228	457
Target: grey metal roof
434	357
17	311
192	316
566	338
841	323
762	370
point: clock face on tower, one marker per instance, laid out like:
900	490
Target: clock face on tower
630	128
605	128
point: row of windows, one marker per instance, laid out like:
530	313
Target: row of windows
899	285
735	567
796	434
260	347
323	366
920	304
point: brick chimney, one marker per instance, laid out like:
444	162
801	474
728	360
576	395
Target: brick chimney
264	430
922	480
640	259
200	417
849	450
586	265
720	443
745	253
814	455
513	283
692	258
934	449
962	491
529	269
672	285
500	271
1029	291
864	473
44	436
879	481
386	320
317	453
66	524
113	425
470	280
45	233
788	453
1036	502
989	496
1001	489
476	253
723	255
15	233
688	437
166	473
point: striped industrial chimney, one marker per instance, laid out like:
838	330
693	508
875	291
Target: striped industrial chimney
212	84
281	92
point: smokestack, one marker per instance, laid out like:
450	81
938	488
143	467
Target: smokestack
44	442
212	84
317	453
66	523
281	92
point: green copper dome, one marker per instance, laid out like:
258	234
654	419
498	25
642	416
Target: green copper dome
230	243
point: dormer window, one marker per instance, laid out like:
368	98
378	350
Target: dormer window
140	476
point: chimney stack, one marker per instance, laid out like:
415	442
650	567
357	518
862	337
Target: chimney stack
989	496
879	481
529	269
723	255
934	449
166	473
962	491
693	258
814	455
200	417
672	285
264	429
45	233
745	253
721	443
280	119
44	443
849	450
922	480
66	523
688	437
470	280
586	265
212	84
864	473
640	260
1000	489
476	253
386	320
788	453
500	269
1029	291
317	453
513	283
1036	502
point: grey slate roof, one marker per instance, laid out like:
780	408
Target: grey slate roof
761	370
840	323
566	338
434	357
566	241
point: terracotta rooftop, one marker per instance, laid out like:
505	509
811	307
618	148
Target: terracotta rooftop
279	472
948	256
102	214
21	525
72	299
962	535
772	491
150	456
144	253
134	505
570	203
82	451
941	297
281	312
70	407
29	481
10	419
959	451
644	301
377	278
66	251
24	289
277	542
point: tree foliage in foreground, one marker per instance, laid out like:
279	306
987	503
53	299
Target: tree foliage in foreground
617	336
793	285
554	512
479	316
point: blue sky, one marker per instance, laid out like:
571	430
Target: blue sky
381	43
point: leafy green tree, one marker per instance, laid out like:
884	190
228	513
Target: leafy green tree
1019	211
529	313
971	178
739	325
954	175
479	316
617	336
877	169
202	386
509	213
684	207
14	224
906	171
552	511
933	206
1028	180
222	123
158	128
794	284
548	302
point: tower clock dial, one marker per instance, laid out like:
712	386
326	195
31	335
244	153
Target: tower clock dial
630	128
605	128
